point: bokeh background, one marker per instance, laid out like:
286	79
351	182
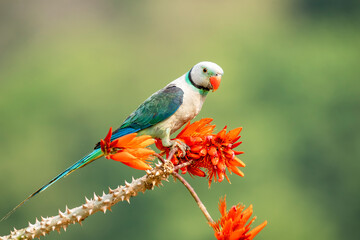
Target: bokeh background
71	69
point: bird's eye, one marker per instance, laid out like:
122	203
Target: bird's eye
205	70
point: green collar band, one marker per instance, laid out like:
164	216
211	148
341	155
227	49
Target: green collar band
202	90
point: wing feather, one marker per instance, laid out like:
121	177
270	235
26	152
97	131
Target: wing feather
158	107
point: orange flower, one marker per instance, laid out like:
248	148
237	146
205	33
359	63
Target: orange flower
129	149
221	155
199	128
212	152
232	224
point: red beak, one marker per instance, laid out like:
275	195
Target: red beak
215	82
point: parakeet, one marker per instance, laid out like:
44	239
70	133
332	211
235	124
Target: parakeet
160	115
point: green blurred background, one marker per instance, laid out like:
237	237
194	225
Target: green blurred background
71	69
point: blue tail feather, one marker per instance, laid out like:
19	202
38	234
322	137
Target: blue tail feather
122	132
119	133
97	153
79	164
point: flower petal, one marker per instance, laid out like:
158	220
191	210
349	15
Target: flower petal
184	129
232	134
196	148
197	128
232	224
237	171
124	140
235	145
159	145
140	152
102	145
237	162
221	135
141	141
196	171
137	164
108	136
237	152
123	157
147	142
237	234
212	151
222	206
130	160
256	230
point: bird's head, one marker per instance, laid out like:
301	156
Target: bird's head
206	75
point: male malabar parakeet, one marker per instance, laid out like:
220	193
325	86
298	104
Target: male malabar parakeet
160	115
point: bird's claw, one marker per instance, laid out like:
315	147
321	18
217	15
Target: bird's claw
180	145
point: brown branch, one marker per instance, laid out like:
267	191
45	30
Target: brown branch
153	178
183	165
177	166
159	157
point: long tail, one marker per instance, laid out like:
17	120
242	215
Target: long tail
97	153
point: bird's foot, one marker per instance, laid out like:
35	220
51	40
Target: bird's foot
180	145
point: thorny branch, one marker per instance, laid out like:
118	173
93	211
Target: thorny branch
153	177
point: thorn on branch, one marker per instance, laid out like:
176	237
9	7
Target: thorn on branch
152	178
